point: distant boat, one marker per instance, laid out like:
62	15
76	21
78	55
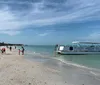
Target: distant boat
79	48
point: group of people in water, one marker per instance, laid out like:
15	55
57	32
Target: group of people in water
22	51
3	50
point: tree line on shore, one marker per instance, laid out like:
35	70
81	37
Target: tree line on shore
9	44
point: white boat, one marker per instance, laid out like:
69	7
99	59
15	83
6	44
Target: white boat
79	48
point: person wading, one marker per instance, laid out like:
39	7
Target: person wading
23	50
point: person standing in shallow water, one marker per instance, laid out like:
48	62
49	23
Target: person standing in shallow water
15	47
56	46
23	50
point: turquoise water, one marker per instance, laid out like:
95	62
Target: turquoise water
74	69
84	60
43	49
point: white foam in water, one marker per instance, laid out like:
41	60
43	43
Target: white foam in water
71	63
37	54
76	65
93	73
96	73
29	52
66	62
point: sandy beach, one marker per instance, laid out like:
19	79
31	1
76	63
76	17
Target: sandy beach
15	70
40	70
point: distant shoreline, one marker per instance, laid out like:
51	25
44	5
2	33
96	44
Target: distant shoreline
9	44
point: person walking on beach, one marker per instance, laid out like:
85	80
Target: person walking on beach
10	48
19	51
3	50
23	50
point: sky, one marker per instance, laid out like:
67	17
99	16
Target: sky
49	22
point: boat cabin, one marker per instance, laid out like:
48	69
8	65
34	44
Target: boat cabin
79	47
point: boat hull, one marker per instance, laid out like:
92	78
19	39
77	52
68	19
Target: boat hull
78	53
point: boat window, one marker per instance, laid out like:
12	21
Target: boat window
61	47
71	48
92	46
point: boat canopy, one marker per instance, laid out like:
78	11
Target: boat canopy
77	42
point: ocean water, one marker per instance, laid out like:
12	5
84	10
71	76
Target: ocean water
92	61
73	69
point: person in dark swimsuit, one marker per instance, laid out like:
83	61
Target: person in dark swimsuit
23	50
10	48
15	47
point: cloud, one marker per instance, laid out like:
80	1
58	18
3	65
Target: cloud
81	10
8	23
11	33
47	32
16	15
43	34
95	36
